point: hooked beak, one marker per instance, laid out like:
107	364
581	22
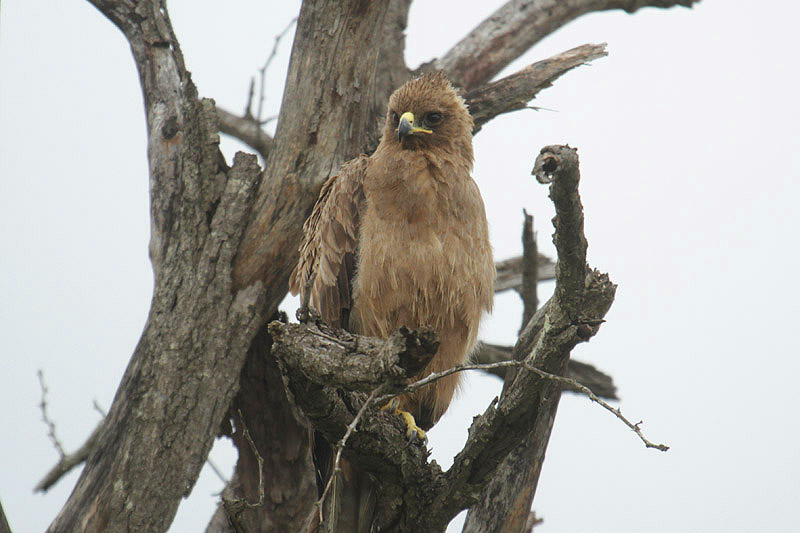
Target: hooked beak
406	126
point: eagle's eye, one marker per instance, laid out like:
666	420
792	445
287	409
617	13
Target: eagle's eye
395	118
432	119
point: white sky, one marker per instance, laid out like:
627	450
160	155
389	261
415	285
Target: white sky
690	151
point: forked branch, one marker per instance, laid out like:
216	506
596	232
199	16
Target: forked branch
427	496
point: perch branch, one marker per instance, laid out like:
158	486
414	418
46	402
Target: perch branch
337	358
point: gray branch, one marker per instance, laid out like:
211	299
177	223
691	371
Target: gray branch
247	130
514	28
69	461
184	370
509	272
530	281
515	91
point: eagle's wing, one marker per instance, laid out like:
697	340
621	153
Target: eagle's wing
324	274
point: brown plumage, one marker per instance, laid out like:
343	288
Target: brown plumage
400	238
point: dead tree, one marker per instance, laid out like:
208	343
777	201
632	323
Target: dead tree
224	240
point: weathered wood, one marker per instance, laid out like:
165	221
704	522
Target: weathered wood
336	358
509	272
282	442
573	314
514	28
530	279
515	91
246	130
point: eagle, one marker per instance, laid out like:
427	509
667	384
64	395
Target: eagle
400	238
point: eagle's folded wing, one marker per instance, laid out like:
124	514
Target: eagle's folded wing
324	274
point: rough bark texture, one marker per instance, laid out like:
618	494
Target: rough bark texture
223	241
245	129
506	502
287	471
184	371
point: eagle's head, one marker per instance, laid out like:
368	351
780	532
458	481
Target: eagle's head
428	113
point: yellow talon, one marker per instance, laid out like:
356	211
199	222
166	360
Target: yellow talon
413	431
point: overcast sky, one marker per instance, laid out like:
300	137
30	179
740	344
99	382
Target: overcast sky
690	156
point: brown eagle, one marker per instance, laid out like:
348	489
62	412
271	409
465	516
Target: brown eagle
400	238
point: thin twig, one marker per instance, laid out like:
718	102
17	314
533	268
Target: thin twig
69	461
351	427
248	110
99	408
263	70
234	506
260	460
566	382
268	120
51	427
216	470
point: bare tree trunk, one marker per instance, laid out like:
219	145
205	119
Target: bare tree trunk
185	370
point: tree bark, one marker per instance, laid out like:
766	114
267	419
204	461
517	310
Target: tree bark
282	442
506	502
185	370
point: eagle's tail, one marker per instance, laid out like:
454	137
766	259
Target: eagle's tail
350	504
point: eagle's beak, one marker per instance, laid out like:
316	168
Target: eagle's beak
406	126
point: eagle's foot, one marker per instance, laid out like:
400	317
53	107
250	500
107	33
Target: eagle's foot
413	431
307	315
